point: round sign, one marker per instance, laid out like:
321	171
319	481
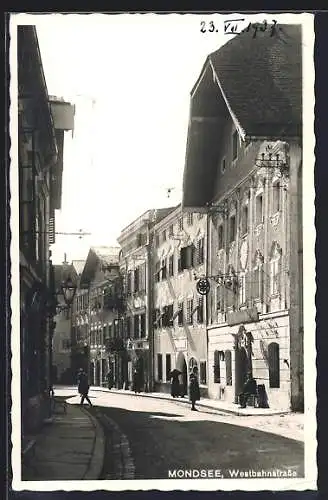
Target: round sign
203	286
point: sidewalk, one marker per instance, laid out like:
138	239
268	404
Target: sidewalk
211	404
71	447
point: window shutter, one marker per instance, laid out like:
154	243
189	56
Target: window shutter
216	367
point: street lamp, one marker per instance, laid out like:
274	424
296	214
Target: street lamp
69	289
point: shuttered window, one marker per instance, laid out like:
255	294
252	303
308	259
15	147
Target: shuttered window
190	303
180	313
216	367
159	367
168	366
200	310
227	357
274	371
202	372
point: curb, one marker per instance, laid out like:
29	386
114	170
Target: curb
184	401
120	452
97	458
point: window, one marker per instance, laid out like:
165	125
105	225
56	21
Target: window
129	283
202	372
216	367
234	145
157	318
259	209
220	236
171	230
164	235
136	280
167	315
179	261
200	310
180	313
171	265
190	303
128	326
157	240
187	256
276	197
274	277
163	268
159	367
136	326
223	165
200	215
232	228
190	218
274	372
242	289
200	251
227	357
142	325
180	223
258	276
244	220
168	366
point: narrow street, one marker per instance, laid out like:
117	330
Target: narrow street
163	436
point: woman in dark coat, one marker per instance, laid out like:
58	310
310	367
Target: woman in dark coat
194	392
83	387
175	383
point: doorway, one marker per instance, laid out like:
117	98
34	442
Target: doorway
182	366
241	368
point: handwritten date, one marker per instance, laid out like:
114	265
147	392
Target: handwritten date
234	27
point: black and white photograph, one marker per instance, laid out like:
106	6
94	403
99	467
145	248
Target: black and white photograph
162	251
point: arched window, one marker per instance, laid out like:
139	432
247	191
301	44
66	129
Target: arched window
193	365
274	371
227	357
216	367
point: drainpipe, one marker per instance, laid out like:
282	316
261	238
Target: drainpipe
207	297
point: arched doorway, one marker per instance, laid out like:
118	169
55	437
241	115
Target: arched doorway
241	368
182	366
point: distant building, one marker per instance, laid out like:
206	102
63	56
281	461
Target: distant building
179	314
244	169
40	166
95	312
62	336
136	322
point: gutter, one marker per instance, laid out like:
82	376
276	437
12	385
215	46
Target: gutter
51	124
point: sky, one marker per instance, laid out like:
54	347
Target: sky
130	77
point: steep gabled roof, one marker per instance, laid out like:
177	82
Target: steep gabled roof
261	80
109	256
61	273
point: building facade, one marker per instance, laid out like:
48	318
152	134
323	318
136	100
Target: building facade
250	184
41	127
95	314
136	241
179	313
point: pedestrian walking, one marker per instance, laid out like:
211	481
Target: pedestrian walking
194	392
83	386
136	381
175	383
110	379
